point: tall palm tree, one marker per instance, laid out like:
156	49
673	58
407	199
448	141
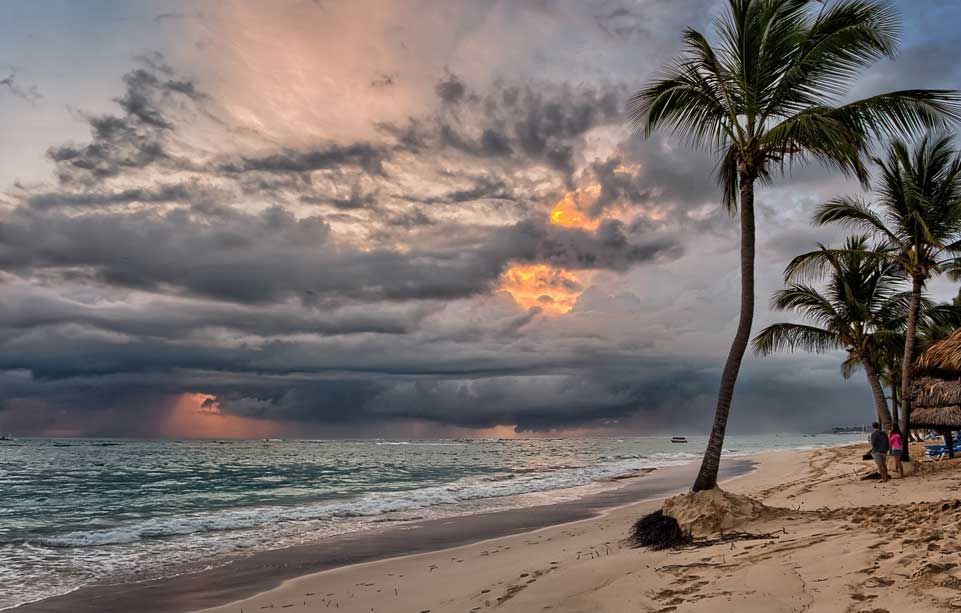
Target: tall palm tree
917	213
764	95
847	313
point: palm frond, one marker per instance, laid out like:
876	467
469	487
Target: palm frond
791	337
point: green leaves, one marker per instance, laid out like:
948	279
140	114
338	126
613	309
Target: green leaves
917	212
763	92
857	301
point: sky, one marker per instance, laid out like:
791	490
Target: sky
386	219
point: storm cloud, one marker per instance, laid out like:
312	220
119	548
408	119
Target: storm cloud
266	224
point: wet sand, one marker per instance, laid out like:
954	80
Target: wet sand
264	571
826	541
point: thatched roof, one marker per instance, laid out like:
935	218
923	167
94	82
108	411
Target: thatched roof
934	392
937	417
942	356
936	395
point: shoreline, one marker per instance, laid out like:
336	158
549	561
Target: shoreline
267	570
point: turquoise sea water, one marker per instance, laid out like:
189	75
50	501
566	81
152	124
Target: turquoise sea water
77	511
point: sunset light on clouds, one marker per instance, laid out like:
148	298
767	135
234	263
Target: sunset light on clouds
366	217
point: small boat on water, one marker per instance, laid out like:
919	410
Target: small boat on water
678	439
7	437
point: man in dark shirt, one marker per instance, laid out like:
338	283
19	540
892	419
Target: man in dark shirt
879	449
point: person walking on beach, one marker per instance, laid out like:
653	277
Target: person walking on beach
897	449
879	450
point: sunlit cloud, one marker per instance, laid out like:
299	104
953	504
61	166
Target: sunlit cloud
552	290
199	416
569	210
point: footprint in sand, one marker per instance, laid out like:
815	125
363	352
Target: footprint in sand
875	582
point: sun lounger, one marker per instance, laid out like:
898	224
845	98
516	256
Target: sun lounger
939	452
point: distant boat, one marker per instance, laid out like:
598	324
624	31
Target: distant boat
7	437
678	439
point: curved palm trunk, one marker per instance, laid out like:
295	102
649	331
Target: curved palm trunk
907	367
880	403
707	475
894	403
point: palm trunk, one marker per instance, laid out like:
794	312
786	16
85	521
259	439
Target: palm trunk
907	367
894	402
707	475
880	403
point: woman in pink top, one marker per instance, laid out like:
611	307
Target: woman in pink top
897	449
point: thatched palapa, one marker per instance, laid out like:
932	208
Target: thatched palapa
937	418
943	356
936	393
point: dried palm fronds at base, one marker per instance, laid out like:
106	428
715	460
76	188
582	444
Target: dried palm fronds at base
658	531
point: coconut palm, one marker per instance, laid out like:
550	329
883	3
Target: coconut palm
860	289
764	96
917	213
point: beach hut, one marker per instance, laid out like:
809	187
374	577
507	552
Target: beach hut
936	390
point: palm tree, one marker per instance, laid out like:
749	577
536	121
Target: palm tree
889	352
765	97
846	314
917	214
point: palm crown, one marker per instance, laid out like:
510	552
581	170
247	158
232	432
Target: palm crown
856	310
767	94
916	211
859	294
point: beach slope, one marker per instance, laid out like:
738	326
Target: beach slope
838	543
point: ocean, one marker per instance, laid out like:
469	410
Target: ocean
80	511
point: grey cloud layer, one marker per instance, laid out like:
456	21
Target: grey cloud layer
145	263
350	282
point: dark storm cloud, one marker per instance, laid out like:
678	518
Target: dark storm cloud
538	122
356	200
484	187
26	310
451	89
114	304
135	139
177	192
230	255
363	155
609	247
277	279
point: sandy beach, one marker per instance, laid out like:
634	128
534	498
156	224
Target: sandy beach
834	542
838	544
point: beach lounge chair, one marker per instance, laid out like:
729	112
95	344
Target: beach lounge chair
939	452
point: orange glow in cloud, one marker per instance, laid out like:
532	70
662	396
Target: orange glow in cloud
553	290
567	212
199	416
